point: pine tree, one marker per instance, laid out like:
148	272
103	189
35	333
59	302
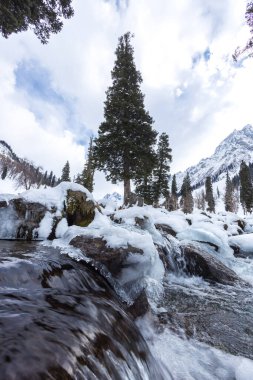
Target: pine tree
186	195
246	188
49	180
53	182
162	168
209	195
145	189
86	178
65	173
228	198
124	147
44	180
172	203
42	16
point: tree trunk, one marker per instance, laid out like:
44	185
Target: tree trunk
127	190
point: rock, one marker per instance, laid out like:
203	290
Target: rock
140	306
164	228
96	249
23	218
134	200
201	263
79	210
115	261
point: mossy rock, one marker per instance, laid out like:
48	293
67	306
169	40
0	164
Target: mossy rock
79	211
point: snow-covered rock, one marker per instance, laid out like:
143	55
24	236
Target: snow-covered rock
35	214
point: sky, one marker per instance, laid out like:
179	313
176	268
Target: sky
52	96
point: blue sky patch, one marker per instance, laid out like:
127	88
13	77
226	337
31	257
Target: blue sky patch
36	81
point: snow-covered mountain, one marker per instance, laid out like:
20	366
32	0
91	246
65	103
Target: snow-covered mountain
18	174
228	155
7	152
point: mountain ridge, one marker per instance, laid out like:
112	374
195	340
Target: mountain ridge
237	146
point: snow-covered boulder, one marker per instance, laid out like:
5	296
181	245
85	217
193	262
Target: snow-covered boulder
242	245
35	214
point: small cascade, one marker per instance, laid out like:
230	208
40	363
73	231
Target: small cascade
60	319
174	255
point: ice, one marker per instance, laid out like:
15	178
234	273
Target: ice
61	228
45	226
244	242
8	224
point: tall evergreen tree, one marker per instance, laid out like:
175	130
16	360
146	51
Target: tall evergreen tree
228	198
86	178
186	195
246	188
65	173
209	195
124	147
173	199
162	168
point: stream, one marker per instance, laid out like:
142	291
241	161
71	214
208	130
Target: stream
60	319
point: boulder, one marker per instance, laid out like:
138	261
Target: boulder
79	210
200	263
21	219
115	261
134	200
165	228
96	249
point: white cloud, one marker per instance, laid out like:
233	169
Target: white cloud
197	104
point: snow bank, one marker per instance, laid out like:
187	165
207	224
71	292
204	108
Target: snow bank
54	196
244	242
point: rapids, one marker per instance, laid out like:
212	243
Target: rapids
59	319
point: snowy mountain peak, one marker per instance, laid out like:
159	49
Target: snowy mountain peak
228	155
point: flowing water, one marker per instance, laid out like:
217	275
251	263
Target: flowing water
59	319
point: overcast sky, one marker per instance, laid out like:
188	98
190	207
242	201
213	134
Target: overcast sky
51	96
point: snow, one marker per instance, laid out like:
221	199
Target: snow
8	186
117	236
61	228
244	242
45	226
53	197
